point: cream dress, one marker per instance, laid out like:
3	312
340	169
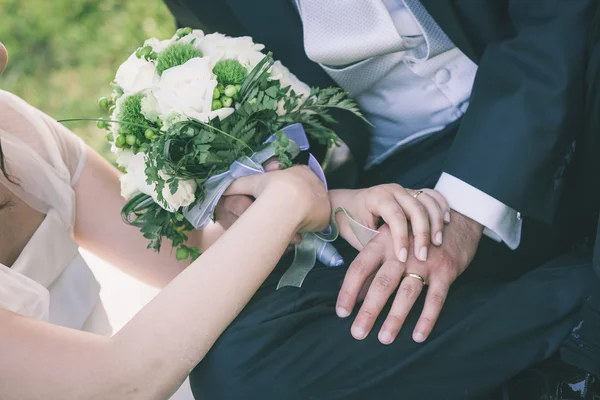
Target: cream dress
50	280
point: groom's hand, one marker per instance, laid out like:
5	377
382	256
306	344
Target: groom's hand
377	262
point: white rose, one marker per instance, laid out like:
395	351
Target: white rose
150	109
135	182
221	47
197	36
124	158
136	74
282	74
183	197
158	45
188	89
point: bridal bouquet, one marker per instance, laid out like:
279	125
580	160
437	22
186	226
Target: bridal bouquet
190	114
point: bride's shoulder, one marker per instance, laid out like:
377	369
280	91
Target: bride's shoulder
10	100
14	109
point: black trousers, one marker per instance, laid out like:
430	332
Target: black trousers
502	315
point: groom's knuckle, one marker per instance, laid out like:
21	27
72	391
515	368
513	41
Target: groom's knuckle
408	291
394	320
427	320
383	283
360	268
438	298
369	312
344	296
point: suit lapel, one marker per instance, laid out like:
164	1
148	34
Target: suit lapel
444	13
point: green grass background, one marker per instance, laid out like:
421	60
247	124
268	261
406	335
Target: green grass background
64	53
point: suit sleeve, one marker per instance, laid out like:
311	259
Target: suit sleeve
526	108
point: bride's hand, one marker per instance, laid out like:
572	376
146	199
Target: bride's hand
426	209
297	186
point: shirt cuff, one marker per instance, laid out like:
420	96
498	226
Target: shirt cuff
501	222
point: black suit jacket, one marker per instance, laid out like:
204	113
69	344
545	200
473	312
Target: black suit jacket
517	137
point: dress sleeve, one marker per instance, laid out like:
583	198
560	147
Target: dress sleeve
51	140
43	157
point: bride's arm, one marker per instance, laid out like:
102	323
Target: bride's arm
100	229
156	350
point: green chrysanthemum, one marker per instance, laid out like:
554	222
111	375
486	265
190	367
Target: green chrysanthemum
131	111
230	72
176	54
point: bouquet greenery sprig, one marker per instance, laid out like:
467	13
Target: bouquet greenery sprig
184	109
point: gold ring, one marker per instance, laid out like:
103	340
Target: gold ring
416	276
417	193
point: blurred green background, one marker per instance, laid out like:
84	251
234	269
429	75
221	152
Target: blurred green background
63	54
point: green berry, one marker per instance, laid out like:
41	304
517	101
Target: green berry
104	103
221	87
146	50
181	32
101	124
130	139
149	134
110	137
226	101
230	91
182	254
120	142
216	94
217	104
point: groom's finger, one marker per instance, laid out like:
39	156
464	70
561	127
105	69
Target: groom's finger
363	266
434	301
385	283
408	292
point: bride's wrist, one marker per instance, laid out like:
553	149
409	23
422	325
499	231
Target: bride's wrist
286	203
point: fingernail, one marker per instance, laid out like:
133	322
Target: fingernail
418	337
342	312
447	217
385	337
423	253
358	332
438	237
403	254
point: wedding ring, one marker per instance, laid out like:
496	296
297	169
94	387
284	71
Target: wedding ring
417	193
416	276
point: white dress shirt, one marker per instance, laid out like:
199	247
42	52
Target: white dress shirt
410	81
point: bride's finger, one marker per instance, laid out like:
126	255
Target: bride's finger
419	220
441	200
436	217
388	208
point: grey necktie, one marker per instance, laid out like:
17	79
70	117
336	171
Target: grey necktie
355	39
